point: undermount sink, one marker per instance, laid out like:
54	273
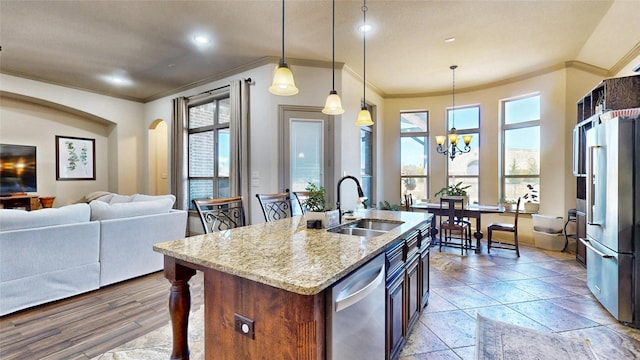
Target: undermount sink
359	231
377	224
366	227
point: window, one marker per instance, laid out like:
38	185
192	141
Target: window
521	146
414	153
366	162
465	167
209	148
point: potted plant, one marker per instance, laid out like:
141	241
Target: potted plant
317	209
454	190
509	204
532	205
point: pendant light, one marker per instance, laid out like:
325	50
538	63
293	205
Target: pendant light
283	83
453	135
364	116
333	105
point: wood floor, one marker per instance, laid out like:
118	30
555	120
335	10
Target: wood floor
88	325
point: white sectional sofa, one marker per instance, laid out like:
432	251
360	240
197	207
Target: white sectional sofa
51	254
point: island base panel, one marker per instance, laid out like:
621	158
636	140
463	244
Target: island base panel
286	325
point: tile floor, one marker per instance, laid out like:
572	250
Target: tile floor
542	290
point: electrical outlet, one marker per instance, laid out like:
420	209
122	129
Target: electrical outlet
243	325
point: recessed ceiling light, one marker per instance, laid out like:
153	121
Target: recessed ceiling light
201	40
450	40
117	79
365	28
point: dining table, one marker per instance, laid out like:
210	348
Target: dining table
474	211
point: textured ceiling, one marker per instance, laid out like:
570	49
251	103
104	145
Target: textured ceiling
80	43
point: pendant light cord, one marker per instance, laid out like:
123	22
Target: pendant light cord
333	48
453	96
364	54
283	31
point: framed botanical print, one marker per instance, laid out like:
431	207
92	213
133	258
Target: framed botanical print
75	158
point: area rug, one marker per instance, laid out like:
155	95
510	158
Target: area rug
496	340
157	344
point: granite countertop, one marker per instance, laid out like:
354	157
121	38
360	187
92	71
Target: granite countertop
285	254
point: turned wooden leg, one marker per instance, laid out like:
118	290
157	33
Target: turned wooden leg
179	305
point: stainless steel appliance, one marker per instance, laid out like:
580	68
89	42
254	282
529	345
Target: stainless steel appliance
613	216
356	314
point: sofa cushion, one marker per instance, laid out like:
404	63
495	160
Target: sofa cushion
19	219
92	196
103	211
115	198
142	197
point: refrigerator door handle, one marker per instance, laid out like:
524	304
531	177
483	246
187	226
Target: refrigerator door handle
596	251
576	156
594	186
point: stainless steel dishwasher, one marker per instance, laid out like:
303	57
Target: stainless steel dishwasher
356	314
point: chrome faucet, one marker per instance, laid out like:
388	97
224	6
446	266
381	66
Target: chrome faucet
360	193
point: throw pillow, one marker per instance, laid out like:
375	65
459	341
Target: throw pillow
104	211
92	196
142	197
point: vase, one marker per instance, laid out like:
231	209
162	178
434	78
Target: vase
47	201
532	208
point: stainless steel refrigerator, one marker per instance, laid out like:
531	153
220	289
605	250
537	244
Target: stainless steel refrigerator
613	216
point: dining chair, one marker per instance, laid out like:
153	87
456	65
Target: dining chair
275	206
301	197
451	222
512	228
220	214
408	202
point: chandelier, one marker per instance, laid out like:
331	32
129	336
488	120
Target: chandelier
453	150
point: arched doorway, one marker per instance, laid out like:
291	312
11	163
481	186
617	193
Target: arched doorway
158	150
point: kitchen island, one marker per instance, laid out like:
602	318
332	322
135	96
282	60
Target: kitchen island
265	284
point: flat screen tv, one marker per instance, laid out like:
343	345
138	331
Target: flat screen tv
17	169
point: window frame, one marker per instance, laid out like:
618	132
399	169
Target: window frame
503	131
215	128
453	179
427	147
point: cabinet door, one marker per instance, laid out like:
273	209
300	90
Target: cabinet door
423	276
581	229
395	301
412	286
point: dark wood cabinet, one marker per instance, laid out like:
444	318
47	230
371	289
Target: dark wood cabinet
412	286
407	286
610	94
423	274
20	202
395	318
581	232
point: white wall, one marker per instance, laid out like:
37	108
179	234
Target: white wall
127	145
127	137
314	84
25	123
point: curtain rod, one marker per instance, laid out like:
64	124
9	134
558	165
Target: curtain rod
209	92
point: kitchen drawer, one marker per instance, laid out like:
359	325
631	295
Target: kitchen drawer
395	258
